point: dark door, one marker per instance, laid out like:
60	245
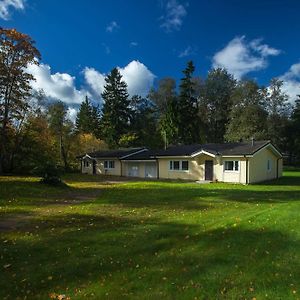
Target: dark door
209	167
94	167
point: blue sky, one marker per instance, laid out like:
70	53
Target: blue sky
82	40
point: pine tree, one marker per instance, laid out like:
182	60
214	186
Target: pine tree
189	121
83	118
116	111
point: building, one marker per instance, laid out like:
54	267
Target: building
243	162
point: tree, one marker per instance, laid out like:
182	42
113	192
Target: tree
17	51
278	109
219	86
165	100
189	121
165	91
83	118
247	118
62	128
116	111
87	119
293	133
143	124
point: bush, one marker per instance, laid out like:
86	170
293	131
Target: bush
50	174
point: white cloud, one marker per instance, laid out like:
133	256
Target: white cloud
6	5
72	113
94	79
134	44
137	76
291	82
112	26
240	57
188	51
173	18
60	86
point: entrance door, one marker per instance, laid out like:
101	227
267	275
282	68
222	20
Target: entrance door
209	167
94	167
133	170
150	170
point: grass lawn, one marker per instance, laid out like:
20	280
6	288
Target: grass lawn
149	240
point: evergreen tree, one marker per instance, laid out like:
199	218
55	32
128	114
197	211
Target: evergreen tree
189	121
248	116
219	86
88	118
116	111
83	118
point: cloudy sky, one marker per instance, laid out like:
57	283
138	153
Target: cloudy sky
82	40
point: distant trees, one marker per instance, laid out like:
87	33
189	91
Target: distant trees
218	108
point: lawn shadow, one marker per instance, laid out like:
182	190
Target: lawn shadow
147	258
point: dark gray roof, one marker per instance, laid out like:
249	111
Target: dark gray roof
118	153
145	155
242	148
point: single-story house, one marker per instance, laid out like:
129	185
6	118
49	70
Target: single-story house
243	162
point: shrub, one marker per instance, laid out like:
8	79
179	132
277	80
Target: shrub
50	173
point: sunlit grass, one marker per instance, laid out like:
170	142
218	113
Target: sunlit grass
149	240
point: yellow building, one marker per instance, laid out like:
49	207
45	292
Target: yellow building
229	162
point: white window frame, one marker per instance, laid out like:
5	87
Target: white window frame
234	165
110	164
171	165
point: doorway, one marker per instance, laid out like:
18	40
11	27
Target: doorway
209	170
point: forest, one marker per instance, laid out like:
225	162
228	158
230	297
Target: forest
218	108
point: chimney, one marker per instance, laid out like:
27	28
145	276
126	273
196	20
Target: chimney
252	141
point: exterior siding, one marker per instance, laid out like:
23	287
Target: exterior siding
115	171
258	166
100	167
231	176
195	171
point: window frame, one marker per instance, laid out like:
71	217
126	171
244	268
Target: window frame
235	166
180	169
109	164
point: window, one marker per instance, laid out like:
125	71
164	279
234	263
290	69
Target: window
185	165
109	164
179	165
269	165
231	165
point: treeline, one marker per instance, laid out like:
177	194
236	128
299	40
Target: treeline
214	109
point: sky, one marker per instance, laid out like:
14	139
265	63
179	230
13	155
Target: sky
82	40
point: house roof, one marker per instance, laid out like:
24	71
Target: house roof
225	149
119	153
241	148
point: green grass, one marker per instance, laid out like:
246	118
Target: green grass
149	240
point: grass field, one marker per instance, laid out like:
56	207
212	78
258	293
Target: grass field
149	240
